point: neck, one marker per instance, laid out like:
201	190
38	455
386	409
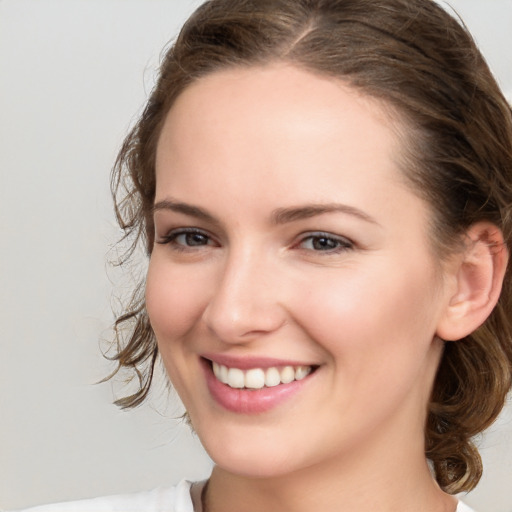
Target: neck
400	482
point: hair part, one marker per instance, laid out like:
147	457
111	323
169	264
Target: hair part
457	155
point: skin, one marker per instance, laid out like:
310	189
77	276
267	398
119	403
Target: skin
242	145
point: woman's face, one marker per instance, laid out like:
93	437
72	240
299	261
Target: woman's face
291	259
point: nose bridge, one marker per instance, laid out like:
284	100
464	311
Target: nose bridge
244	301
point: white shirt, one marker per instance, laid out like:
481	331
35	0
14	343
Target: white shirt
171	499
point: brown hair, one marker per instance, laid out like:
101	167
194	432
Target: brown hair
416	58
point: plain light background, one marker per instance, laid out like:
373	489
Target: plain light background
73	76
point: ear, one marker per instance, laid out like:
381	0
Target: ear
478	273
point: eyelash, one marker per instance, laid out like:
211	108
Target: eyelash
341	244
337	244
171	239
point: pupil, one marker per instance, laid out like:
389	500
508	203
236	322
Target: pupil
323	243
195	239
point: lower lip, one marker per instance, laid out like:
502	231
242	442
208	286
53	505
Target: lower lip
250	401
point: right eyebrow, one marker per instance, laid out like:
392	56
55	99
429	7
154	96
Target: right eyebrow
284	215
186	209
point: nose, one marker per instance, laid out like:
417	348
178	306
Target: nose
245	302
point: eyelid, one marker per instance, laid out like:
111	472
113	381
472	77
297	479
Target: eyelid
172	234
345	243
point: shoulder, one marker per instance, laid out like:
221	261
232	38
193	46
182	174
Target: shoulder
462	507
170	499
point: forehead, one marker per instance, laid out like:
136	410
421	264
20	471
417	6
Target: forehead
274	116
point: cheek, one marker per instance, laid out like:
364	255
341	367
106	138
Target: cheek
372	314
174	301
377	334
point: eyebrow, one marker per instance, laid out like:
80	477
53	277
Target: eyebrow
186	209
284	215
278	216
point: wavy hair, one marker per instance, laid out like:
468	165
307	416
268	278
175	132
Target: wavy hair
457	155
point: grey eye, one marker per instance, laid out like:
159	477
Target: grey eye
193	239
325	243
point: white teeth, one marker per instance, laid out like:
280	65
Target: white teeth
257	378
287	374
223	374
301	372
272	377
216	370
236	378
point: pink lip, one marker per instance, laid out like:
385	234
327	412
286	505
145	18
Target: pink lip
245	401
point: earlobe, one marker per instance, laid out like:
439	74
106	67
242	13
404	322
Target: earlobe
478	272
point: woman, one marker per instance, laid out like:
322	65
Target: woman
324	191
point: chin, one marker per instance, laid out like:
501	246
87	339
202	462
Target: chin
252	467
253	456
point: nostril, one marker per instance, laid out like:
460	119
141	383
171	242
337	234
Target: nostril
242	323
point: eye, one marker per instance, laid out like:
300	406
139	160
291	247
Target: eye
325	242
183	239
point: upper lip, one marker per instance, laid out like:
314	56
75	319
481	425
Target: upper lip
246	363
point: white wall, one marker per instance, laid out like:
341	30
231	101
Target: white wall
73	74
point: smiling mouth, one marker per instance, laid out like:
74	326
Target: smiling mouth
258	378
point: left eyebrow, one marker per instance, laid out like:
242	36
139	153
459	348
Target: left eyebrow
285	215
186	209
